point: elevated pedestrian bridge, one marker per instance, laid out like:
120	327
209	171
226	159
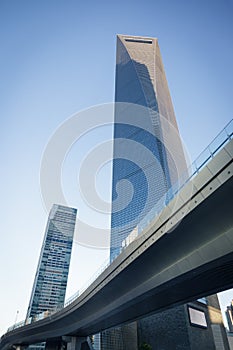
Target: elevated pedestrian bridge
185	252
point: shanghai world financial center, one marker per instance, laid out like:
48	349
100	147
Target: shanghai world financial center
148	161
145	133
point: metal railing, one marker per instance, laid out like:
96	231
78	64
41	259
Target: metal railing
97	273
209	152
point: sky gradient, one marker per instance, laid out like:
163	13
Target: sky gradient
57	58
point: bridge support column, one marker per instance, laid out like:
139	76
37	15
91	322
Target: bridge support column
54	345
79	343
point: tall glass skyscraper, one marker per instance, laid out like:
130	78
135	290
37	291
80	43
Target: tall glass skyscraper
147	154
148	157
50	282
148	161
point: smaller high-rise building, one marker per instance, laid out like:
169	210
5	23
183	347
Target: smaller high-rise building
51	277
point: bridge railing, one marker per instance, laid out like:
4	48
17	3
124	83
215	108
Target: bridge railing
206	155
105	264
16	325
209	152
218	143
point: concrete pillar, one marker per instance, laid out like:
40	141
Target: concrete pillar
79	343
89	343
54	345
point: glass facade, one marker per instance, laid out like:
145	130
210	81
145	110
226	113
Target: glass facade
148	161
52	272
145	135
147	153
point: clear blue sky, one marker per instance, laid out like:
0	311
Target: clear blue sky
57	58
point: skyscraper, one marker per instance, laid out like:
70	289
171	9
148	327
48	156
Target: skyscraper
148	161
51	276
147	150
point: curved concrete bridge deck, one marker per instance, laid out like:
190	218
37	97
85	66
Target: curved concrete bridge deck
185	253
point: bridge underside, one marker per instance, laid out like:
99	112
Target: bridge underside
193	260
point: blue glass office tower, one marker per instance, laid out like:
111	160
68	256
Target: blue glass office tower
50	282
147	154
148	161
